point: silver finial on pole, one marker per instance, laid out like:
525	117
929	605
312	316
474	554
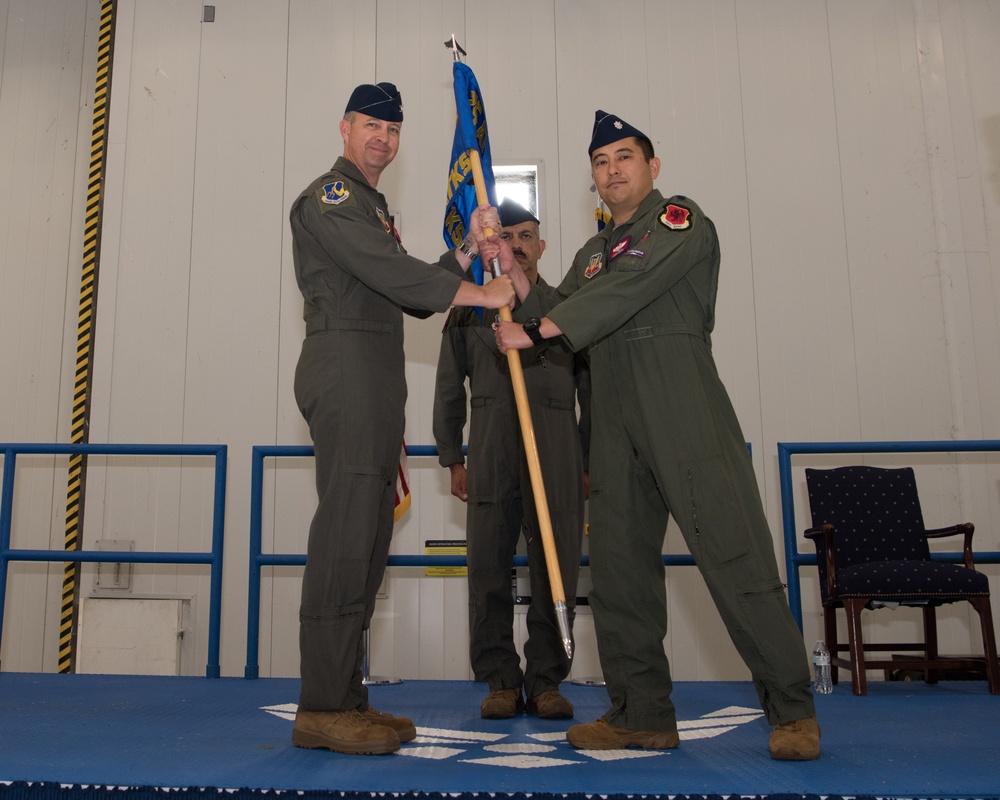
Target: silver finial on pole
453	45
562	618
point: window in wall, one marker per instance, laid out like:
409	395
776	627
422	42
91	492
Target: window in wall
519	182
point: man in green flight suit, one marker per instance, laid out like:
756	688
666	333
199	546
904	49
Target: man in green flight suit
357	280
666	440
497	488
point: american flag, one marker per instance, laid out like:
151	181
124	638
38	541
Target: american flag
402	487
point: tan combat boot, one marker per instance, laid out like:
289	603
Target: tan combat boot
502	704
550	705
602	735
404	727
795	741
343	732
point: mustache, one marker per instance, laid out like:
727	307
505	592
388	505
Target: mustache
518	252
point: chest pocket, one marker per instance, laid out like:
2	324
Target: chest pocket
631	263
631	254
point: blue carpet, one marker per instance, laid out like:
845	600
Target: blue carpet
902	740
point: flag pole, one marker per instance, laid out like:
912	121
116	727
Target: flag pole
527	427
530	444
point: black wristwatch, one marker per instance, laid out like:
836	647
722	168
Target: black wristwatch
531	327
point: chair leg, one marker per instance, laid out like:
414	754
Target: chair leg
930	641
830	632
982	606
856	643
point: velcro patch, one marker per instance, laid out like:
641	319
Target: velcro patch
675	217
596	262
619	248
335	193
385	222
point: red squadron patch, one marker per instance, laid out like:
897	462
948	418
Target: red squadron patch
676	217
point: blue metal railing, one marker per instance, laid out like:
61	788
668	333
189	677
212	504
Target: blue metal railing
258	560
793	558
213	558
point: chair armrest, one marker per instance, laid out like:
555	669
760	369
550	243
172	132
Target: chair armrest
825	533
964	528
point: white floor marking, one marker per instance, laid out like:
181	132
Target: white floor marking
520	762
519	747
621	755
444	743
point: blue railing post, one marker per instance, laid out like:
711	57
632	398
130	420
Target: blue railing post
6	515
212	558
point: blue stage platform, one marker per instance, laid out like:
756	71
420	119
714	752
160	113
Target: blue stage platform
89	736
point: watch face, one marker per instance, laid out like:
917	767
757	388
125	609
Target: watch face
531	328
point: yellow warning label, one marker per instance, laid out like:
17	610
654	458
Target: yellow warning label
445	547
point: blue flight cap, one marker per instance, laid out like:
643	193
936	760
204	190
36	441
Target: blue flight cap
381	100
608	128
513	213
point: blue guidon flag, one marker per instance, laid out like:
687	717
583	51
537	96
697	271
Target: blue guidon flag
470	134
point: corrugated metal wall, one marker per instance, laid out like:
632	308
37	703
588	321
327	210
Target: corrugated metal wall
847	150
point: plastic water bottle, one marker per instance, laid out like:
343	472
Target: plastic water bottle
822	675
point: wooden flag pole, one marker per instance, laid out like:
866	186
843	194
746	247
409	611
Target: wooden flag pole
530	445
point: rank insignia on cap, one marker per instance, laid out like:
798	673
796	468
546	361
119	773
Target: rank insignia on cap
675	217
609	128
596	262
619	248
335	193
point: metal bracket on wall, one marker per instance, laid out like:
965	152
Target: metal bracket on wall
114	576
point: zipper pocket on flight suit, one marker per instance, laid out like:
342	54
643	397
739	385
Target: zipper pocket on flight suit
694	505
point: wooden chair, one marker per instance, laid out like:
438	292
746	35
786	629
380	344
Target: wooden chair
872	550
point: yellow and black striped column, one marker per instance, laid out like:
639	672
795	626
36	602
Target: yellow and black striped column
84	337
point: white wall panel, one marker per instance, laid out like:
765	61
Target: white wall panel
145	300
47	57
977	25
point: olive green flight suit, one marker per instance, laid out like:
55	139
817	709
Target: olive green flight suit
501	500
666	440
356	280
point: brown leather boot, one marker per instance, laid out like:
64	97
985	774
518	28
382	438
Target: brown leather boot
795	741
502	704
343	732
602	735
404	727
550	705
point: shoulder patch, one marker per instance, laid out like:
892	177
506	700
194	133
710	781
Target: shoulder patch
334	194
596	262
675	217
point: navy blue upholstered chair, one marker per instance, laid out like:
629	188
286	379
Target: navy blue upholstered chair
872	550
